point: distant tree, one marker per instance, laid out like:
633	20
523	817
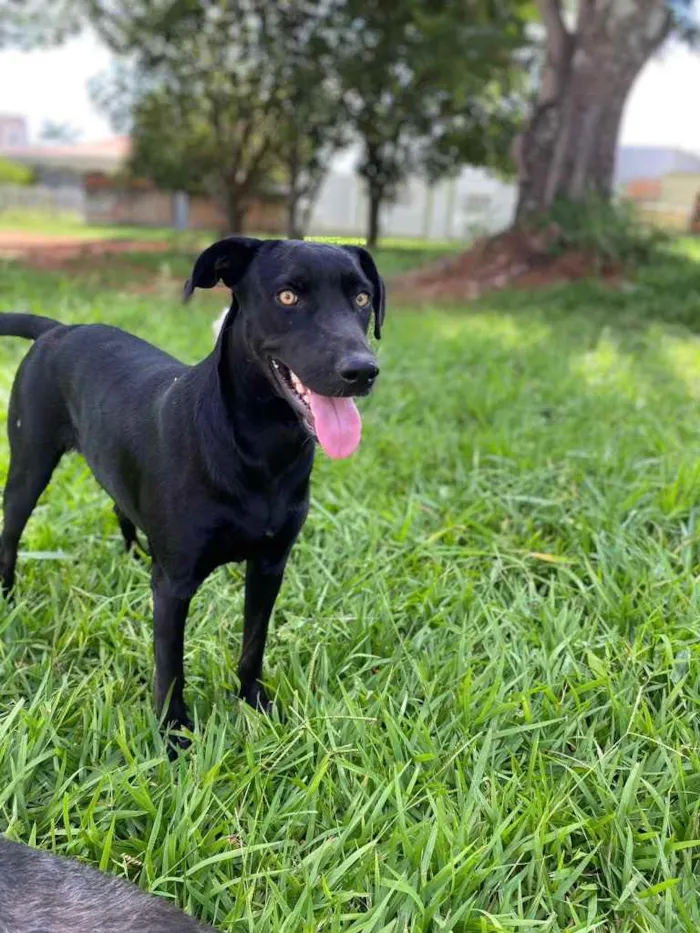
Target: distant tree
427	85
117	91
62	133
28	24
312	129
206	104
11	173
567	148
224	98
313	121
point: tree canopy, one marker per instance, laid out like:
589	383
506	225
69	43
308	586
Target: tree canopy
29	24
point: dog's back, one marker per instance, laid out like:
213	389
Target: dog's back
42	893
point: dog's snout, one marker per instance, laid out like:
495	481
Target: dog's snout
359	370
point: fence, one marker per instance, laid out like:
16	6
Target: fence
42	198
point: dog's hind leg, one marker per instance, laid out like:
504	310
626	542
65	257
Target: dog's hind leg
27	479
39	435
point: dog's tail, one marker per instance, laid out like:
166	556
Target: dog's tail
29	326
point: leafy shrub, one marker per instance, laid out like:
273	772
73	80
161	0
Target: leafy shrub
13	174
609	230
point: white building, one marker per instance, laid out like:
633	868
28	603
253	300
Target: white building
474	202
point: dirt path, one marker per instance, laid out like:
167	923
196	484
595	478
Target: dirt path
53	251
513	259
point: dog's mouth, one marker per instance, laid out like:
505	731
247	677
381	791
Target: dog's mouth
335	422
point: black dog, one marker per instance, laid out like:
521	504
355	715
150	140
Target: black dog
212	462
43	893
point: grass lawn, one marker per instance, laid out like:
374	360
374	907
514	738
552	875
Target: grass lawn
399	254
68	223
486	647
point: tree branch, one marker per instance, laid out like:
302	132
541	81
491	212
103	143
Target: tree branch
557	34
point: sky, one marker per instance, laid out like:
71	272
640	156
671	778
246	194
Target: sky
52	85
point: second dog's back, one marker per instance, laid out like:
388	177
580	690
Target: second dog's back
42	893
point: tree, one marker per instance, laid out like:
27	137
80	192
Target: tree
62	133
312	129
28	24
313	119
225	97
11	173
206	92
567	149
425	83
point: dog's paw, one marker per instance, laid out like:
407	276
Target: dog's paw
175	739
256	697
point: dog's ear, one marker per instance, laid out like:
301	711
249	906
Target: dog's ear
370	270
225	261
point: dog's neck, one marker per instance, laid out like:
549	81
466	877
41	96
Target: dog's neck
268	436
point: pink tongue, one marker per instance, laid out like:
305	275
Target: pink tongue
337	423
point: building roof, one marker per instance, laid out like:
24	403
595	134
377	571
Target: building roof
105	155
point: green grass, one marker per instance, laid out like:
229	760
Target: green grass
70	223
486	646
406	252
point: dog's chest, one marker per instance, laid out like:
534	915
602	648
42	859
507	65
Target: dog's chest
256	523
263	517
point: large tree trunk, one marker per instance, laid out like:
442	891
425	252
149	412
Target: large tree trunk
375	203
568	148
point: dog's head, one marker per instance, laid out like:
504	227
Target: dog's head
304	310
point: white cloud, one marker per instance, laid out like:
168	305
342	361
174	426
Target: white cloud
660	110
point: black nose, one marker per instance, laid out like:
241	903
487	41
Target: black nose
359	370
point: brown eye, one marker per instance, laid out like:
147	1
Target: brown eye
362	300
287	297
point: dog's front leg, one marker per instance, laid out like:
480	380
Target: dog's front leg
169	616
262	584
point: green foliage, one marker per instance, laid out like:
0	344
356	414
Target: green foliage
485	648
30	24
684	15
430	86
312	118
226	96
610	231
59	133
221	98
12	173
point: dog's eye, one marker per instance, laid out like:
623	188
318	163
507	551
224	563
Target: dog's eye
362	300
287	297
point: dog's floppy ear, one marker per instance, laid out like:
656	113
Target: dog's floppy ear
370	270
225	261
